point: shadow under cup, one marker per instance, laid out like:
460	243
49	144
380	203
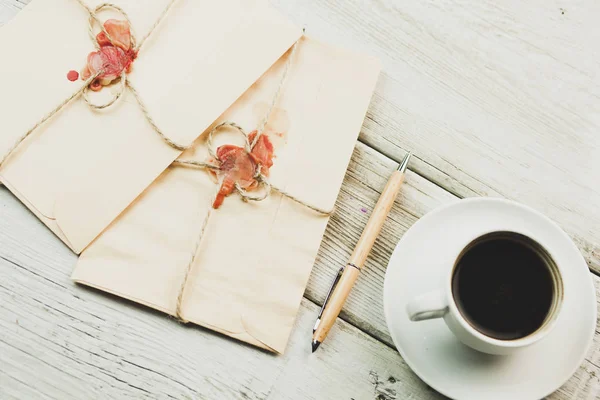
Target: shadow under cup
507	286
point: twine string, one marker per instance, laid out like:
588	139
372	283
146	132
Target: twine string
286	70
46	118
156	23
246	196
197	164
188	270
124	81
116	96
94	18
225	124
142	105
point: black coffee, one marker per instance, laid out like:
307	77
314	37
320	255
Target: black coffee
503	287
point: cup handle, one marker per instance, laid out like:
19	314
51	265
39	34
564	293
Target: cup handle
427	306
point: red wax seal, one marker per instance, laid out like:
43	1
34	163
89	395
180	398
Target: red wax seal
240	167
72	75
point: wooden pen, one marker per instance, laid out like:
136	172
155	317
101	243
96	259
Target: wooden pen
347	275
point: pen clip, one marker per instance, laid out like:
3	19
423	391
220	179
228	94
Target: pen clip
333	285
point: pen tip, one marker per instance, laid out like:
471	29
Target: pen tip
315	345
404	164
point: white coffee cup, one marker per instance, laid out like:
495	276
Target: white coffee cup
442	304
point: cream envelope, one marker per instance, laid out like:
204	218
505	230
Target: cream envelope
82	168
255	258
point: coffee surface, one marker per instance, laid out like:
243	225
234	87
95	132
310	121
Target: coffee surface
503	288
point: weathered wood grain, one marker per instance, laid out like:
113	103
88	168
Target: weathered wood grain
367	176
65	342
58	340
9	8
494	98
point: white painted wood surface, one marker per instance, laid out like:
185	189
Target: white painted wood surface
486	95
495	98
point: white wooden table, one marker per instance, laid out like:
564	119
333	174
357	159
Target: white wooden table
495	98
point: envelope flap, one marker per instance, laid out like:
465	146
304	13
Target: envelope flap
204	58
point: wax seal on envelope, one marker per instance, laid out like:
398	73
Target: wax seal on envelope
83	166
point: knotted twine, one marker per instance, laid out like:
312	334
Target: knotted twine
259	177
124	81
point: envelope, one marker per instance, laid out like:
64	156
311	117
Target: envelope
83	167
255	258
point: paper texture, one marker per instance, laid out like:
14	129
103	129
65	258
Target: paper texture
254	260
82	168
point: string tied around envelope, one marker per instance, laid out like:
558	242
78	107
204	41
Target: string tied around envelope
124	83
246	196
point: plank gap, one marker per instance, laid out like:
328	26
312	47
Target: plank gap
413	168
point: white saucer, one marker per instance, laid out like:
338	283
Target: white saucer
430	349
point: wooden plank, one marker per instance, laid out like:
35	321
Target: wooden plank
495	99
79	324
61	341
8	8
